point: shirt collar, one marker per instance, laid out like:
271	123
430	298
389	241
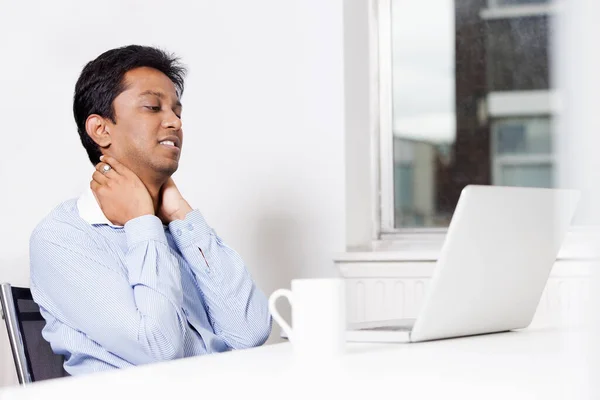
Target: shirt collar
90	211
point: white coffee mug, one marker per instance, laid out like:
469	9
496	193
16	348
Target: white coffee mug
318	316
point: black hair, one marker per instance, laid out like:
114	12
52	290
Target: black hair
102	80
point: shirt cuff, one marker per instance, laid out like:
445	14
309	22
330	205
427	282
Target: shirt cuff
144	228
192	230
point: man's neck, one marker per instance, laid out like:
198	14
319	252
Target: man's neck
155	194
154	185
154	188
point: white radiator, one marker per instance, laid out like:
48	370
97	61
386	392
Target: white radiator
388	290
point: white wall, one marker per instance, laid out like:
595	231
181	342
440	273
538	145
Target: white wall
263	120
576	62
362	139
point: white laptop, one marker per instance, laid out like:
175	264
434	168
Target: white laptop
493	267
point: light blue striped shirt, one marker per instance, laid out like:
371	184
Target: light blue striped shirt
115	296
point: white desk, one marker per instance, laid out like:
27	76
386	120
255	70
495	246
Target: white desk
532	364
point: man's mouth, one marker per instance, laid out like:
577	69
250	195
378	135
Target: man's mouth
168	143
171	141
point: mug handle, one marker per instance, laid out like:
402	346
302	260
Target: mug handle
273	310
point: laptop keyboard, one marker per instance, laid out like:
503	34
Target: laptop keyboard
389	328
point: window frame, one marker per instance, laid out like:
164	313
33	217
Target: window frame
383	109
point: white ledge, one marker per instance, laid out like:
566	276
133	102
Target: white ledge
388	256
581	244
522	103
364	265
517	11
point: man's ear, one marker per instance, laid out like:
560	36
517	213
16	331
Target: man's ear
97	128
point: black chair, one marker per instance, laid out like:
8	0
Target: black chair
33	356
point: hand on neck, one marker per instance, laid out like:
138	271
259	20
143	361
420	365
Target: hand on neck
153	181
154	188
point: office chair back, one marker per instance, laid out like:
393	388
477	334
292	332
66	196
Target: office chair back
33	356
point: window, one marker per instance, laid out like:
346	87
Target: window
464	99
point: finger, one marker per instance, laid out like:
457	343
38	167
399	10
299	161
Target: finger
94	186
117	166
105	169
100	177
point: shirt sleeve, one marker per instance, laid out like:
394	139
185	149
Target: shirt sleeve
131	307
237	309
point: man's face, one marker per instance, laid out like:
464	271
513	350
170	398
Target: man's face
147	136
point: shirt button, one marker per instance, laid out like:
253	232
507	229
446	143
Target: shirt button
178	232
190	227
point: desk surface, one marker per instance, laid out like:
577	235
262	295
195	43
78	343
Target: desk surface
531	364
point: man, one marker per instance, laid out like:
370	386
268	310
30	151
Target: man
130	273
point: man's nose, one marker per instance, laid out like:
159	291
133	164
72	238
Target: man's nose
172	122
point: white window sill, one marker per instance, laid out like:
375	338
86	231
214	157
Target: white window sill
580	244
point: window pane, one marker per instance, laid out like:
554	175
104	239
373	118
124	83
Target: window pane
517	54
414	177
527	175
446	60
523	136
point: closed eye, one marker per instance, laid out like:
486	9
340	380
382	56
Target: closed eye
157	109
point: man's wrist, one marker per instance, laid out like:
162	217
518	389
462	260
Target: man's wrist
191	232
183	210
